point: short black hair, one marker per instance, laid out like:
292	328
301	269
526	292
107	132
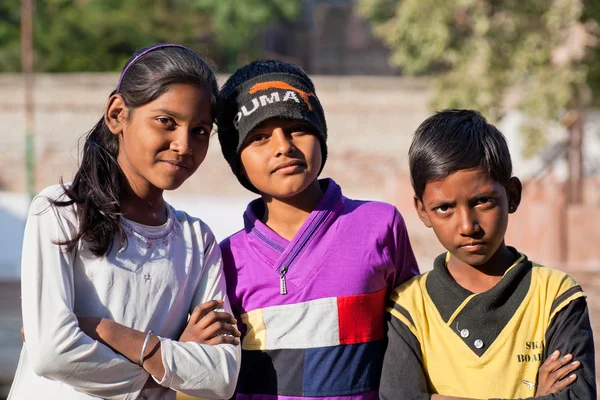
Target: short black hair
454	140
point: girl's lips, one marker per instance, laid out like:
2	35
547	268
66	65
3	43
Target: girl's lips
175	165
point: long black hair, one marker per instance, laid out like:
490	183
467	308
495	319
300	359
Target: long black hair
98	183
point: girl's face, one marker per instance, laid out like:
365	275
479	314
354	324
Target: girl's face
281	157
163	142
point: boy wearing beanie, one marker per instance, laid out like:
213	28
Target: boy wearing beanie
309	274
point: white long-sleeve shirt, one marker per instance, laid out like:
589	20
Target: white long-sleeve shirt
150	283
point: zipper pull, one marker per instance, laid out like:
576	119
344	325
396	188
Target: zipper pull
282	283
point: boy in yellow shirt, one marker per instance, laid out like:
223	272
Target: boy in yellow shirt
484	320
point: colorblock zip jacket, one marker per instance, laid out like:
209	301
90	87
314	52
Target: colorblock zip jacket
311	310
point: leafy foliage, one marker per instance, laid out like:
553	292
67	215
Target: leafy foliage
236	26
494	55
100	35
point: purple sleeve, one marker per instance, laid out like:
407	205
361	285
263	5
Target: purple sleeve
230	272
401	253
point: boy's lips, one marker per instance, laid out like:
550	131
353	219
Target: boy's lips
472	246
288	167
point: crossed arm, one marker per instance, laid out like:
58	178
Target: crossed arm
99	356
403	375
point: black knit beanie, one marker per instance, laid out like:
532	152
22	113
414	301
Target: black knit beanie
263	96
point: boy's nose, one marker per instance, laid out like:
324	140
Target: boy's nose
282	143
467	223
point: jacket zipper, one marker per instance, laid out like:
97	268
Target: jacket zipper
285	266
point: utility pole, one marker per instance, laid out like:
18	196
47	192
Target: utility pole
575	159
27	69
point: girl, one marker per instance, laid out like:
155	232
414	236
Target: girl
309	275
110	271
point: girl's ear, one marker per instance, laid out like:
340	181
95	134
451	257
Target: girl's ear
421	212
514	191
115	114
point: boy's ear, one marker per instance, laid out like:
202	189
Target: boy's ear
420	207
514	191
115	114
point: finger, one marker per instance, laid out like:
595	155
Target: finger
558	363
219	328
566	370
563	383
552	357
545	368
23	333
202	309
223	339
213	316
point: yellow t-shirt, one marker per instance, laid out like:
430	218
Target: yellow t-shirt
476	345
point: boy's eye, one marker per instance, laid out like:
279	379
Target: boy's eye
300	130
443	209
485	201
257	138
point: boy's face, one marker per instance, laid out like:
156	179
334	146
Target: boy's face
468	212
281	157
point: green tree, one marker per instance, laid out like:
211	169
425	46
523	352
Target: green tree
100	35
490	54
591	11
10	45
236	26
96	35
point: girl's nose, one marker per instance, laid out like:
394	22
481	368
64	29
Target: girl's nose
181	143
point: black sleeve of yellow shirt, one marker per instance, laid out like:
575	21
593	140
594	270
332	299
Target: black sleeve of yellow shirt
571	333
402	376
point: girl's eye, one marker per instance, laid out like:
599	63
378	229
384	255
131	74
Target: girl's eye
166	121
201	131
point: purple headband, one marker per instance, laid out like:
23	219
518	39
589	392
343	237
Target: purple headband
148	50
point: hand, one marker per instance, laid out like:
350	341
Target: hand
207	326
553	372
23	333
